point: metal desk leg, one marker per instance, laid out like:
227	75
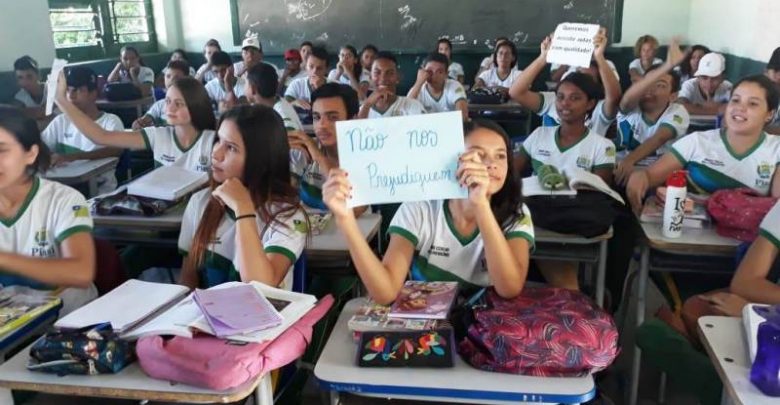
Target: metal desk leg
264	393
334	398
644	265
601	273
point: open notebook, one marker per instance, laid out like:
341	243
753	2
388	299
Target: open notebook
578	179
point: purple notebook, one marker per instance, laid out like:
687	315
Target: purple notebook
424	300
236	310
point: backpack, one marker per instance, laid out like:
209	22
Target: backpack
219	364
588	214
738	212
121	92
545	332
485	96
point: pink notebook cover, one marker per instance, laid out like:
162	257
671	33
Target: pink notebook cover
424	300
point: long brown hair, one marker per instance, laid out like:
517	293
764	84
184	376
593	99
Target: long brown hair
198	102
266	175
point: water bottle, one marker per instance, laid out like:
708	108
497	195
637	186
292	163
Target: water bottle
674	205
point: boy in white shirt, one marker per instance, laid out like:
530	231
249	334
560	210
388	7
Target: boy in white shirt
299	91
384	102
31	95
455	70
293	69
707	93
155	116
205	72
224	87
261	85
66	142
435	90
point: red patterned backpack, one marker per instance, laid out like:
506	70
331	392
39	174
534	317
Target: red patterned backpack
738	212
549	332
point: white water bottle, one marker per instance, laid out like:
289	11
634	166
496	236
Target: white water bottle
674	204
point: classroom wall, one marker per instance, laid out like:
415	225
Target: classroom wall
661	18
202	20
25	30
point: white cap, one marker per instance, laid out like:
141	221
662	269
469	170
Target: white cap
252	42
711	65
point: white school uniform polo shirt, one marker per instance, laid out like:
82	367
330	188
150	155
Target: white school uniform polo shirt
157	112
451	94
634	129
166	150
217	93
401	107
712	164
310	178
492	79
299	89
636	64
288	114
598	122
690	91
592	152
454	70
770	226
335	77
301	74
24	97
51	213
443	254
286	237
145	75
62	137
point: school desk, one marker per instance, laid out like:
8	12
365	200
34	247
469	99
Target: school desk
337	372
703	122
82	171
697	247
139	104
130	383
592	251
724	339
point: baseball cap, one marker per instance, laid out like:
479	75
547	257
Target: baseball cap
252	42
711	65
292	54
81	76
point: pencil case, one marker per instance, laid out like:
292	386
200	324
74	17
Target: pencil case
424	348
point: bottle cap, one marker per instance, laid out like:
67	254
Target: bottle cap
677	179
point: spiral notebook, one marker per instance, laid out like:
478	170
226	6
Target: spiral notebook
236	310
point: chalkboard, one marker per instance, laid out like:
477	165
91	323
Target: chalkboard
414	25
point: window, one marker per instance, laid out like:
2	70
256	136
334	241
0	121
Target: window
95	29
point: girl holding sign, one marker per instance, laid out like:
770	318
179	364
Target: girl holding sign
482	240
248	225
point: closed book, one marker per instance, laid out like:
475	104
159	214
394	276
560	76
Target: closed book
424	300
168	183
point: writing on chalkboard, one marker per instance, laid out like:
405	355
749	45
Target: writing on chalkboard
402	158
308	9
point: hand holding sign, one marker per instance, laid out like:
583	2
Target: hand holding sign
51	84
572	44
473	173
402	158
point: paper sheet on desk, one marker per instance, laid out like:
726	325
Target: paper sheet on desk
51	84
572	44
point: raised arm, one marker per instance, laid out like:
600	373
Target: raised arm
93	131
611	85
422	77
383	279
521	89
634	93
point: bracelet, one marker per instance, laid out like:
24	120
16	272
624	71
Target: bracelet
240	217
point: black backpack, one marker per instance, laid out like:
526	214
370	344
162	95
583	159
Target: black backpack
588	214
122	92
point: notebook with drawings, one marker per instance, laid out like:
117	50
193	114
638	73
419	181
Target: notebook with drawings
236	310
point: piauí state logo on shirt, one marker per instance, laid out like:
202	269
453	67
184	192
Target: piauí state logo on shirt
678	119
610	152
583	162
764	170
42	246
41	237
203	163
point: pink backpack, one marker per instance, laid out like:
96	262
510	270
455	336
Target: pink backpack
210	362
546	332
738	212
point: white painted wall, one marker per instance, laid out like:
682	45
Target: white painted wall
202	20
25	30
660	18
745	28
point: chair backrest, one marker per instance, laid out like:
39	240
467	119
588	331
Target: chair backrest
110	272
300	274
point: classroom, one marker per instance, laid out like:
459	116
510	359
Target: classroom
389	202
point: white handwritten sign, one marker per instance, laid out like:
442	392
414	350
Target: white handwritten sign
572	44
402	158
51	84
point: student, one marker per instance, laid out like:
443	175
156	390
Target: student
292	69
645	49
261	89
488	235
384	101
367	56
690	64
299	91
487	63
349	71
773	73
648	120
45	240
179	55
305	49
455	70
504	71
224	88
435	90
570	145
155	116
251	54
708	92
248	224
66	142
130	69
739	155
205	72
544	103
186	142
31	96
310	161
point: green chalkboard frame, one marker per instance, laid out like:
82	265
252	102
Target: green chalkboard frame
615	36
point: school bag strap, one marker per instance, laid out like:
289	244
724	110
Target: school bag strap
209	362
